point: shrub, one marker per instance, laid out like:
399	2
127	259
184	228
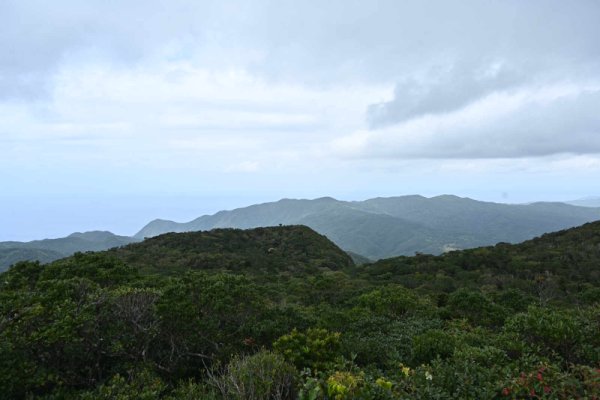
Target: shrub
553	330
317	348
475	307
262	376
432	344
140	386
190	390
394	301
547	381
343	385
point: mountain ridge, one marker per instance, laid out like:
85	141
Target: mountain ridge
421	224
48	250
590	201
376	228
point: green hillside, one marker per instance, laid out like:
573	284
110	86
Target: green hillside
560	266
12	255
375	228
282	313
386	227
48	250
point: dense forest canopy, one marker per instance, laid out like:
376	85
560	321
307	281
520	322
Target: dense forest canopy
283	313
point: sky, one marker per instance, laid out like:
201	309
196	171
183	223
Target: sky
113	113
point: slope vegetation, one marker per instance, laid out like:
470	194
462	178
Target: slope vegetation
282	313
48	250
376	228
269	251
563	265
387	227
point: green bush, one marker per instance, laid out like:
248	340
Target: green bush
556	331
377	341
316	349
140	386
590	295
190	390
457	378
474	306
262	376
432	344
394	301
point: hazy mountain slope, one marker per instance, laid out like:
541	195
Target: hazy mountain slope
359	259
374	235
554	265
285	211
385	227
593	201
12	255
52	249
375	228
483	222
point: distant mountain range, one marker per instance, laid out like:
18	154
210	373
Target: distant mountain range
375	228
384	227
593	201
48	250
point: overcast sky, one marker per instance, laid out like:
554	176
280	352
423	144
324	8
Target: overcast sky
113	113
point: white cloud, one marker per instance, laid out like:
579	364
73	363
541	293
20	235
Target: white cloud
177	114
533	121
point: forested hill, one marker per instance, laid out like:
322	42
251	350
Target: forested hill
562	265
283	313
276	250
48	250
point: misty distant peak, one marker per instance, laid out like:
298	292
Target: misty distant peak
92	235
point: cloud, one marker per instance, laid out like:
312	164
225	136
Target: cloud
305	42
173	115
245	99
530	122
441	92
38	38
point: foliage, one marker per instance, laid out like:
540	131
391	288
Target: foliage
549	382
475	307
393	301
560	333
141	386
261	376
432	344
289	250
315	348
220	315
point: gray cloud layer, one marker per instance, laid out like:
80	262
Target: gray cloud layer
449	91
316	42
529	123
441	57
